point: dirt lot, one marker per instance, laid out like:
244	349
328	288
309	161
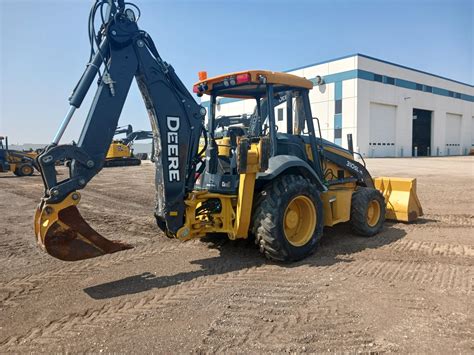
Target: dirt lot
409	289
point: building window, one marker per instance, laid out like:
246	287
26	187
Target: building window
419	87
427	88
450	94
338	133
457	95
338	141
280	114
389	80
338	107
378	77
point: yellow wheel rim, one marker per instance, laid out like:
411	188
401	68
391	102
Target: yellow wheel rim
299	221
373	213
27	170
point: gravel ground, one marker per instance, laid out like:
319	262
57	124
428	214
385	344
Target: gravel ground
409	289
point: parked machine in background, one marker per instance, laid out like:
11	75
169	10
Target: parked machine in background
247	181
18	162
120	152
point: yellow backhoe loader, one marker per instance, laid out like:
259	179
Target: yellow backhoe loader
18	162
248	180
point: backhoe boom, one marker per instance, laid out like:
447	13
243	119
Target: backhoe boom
177	121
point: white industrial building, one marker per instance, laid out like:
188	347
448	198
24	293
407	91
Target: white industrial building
390	110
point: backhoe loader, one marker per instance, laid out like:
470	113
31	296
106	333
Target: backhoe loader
18	162
120	152
247	179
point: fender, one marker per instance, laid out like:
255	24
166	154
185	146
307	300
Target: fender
279	164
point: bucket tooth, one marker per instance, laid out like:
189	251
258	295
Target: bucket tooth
63	233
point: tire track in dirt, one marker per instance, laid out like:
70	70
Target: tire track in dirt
445	277
445	220
271	314
437	276
404	247
263	316
421	315
74	324
15	290
430	248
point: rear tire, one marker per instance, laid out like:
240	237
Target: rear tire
367	211
24	170
287	221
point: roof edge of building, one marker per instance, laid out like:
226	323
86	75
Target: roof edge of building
382	61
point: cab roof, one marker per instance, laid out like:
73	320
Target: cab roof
249	83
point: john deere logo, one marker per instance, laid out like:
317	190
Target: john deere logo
173	152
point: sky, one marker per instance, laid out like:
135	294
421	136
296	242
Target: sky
44	46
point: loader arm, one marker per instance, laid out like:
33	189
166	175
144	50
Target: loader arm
125	52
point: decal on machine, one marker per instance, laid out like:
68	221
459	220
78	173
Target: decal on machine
352	166
172	123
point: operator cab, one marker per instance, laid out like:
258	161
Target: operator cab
270	91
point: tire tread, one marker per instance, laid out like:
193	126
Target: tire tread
267	206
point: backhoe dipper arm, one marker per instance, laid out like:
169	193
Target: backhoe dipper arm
176	119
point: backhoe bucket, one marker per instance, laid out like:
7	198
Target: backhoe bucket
62	232
400	195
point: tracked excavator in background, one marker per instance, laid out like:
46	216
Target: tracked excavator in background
120	152
279	187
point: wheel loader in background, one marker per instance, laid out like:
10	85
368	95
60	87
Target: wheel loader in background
120	152
18	162
281	188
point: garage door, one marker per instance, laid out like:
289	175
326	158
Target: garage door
382	130
453	134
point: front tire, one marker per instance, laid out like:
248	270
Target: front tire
287	220
367	211
24	170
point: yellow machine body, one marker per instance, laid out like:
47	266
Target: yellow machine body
234	217
120	154
337	205
118	150
402	203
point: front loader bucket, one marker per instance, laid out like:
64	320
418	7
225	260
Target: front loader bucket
400	195
62	232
